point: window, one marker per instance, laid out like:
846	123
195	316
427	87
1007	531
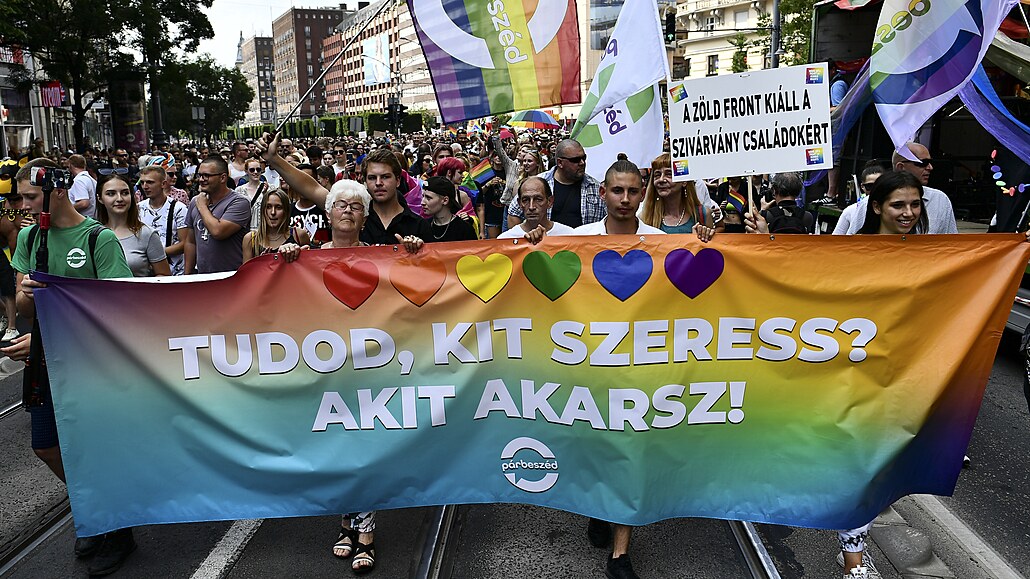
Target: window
307	31
307	43
310	70
713	64
686	68
740	19
709	25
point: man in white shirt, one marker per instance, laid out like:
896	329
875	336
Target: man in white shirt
163	214
622	191
83	192
938	206
535	199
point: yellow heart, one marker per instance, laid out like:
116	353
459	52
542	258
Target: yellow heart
486	278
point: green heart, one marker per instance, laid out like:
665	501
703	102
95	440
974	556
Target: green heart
552	276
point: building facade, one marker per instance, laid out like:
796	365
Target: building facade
711	26
384	61
297	39
257	64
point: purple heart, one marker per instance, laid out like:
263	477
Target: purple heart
693	274
621	275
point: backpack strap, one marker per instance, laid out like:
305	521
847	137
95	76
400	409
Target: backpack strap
94	234
32	237
171	219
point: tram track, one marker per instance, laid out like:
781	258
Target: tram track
27	541
442	537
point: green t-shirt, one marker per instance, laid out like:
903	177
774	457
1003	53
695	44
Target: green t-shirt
68	249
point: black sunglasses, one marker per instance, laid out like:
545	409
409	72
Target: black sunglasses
578	159
922	163
867	186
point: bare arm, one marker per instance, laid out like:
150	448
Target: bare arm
82	205
189	252
177	248
161	267
218	228
248	247
300	182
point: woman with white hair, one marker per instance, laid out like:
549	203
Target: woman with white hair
347	205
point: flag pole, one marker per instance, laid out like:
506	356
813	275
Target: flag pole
325	69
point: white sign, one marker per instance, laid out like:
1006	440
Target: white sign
767	121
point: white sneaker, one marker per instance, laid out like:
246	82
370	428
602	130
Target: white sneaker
869	570
859	572
10	334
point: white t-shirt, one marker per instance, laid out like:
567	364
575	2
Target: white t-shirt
938	210
157	219
84	187
600	228
236	174
518	233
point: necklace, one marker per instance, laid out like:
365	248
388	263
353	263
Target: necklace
683	212
442	235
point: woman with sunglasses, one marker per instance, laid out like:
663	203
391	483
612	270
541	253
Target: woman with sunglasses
673	207
251	189
117	210
274	230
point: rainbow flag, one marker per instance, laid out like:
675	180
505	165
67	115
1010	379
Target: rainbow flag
452	130
482	172
524	55
737	200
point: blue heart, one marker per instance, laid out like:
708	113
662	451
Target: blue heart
621	275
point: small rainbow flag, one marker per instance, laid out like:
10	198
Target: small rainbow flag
737	200
452	130
522	55
678	93
482	172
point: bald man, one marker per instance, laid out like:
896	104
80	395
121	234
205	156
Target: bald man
938	206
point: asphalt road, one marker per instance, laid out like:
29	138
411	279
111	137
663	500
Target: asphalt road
514	541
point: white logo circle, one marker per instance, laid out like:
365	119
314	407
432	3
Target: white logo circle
76	258
509	465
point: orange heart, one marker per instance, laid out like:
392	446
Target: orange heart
418	278
351	283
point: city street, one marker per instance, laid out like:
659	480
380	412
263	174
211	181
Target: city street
981	532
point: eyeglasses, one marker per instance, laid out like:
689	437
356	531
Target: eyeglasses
575	160
121	154
922	163
867	187
105	171
258	170
349	207
208	175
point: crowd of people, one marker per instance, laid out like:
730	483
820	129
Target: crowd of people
192	209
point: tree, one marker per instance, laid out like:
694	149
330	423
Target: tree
72	41
223	92
78	42
795	30
741	43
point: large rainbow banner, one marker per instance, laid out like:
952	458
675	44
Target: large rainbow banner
493	57
798	380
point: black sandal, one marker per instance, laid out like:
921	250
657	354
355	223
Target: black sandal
364	558
346	534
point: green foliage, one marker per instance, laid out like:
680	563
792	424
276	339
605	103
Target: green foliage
795	30
501	120
223	92
741	43
80	42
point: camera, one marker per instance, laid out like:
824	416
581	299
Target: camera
50	177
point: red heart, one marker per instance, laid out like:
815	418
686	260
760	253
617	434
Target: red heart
351	283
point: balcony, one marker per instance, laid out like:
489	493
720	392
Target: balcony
698	5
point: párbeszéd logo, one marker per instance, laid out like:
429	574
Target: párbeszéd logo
528	464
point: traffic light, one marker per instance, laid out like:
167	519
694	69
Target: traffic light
670	27
395	112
